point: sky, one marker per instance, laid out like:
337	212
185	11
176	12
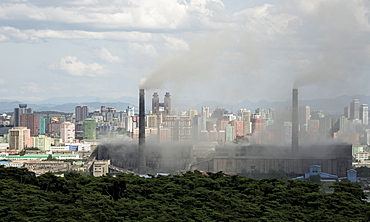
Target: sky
220	50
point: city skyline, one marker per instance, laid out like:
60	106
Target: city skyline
202	50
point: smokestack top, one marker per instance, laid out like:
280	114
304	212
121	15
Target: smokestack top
141	150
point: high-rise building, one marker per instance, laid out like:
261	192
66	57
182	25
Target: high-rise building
246	118
18	112
167	103
258	124
103	111
34	122
205	111
130	111
229	134
54	128
19	138
155	103
355	109
304	115
326	127
364	114
347	112
81	112
67	132
238	128
89	129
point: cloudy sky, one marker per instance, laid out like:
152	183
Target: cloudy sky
223	50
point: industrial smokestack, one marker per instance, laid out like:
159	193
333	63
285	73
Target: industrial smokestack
141	151
295	126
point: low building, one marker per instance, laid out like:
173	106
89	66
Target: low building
101	168
362	156
41	167
316	170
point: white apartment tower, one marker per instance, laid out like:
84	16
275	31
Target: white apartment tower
67	132
364	114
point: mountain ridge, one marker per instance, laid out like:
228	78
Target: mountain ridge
67	104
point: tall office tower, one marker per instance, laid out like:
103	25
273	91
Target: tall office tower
167	103
19	138
304	114
205	111
347	112
19	111
155	103
67	132
34	122
82	112
355	109
89	129
364	114
246	118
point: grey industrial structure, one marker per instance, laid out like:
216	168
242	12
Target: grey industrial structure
254	159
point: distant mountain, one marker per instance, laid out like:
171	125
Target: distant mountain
87	99
68	104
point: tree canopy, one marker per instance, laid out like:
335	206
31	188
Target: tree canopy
188	197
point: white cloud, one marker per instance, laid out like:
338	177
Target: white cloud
3	38
16	35
144	49
71	66
8	33
105	55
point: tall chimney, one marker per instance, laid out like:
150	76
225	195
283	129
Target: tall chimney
295	126
141	152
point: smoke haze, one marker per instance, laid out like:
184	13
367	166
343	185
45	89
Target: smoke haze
310	45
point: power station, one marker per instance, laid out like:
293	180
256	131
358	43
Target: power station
241	159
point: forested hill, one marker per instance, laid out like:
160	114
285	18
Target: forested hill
190	197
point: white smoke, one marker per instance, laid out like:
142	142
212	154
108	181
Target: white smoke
337	40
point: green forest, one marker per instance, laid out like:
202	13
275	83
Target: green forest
188	197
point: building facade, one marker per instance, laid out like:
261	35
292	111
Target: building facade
81	112
67	132
19	138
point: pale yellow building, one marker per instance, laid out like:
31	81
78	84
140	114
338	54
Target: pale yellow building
41	141
19	138
192	113
246	118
